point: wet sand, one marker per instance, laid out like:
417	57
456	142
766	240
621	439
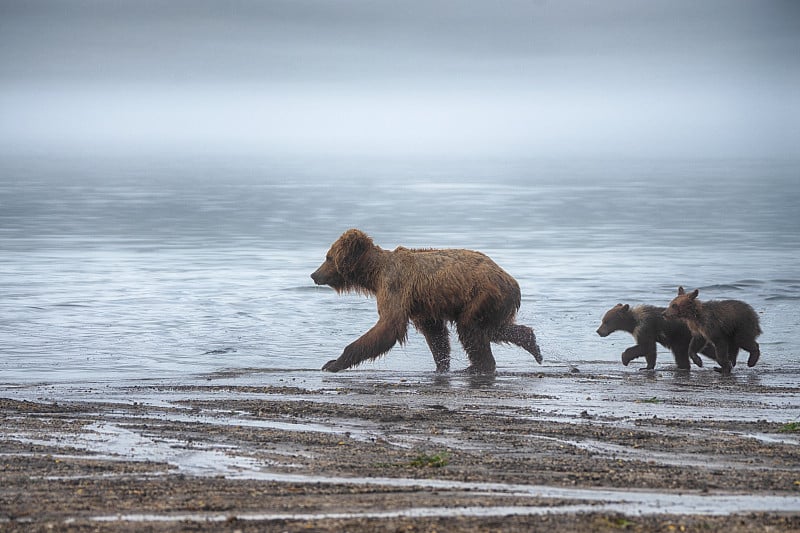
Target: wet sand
361	450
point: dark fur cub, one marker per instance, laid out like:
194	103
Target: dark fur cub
648	326
727	324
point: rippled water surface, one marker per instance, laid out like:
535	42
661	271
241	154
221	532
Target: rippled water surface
114	268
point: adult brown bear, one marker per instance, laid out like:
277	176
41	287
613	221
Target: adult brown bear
429	288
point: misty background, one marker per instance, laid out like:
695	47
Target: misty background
171	172
568	78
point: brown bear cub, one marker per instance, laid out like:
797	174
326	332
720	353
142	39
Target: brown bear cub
429	288
648	326
727	324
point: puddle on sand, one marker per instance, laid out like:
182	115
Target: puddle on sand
552	394
627	453
114	443
555	394
353	429
771	439
713	507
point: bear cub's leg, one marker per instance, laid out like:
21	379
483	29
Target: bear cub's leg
755	352
640	350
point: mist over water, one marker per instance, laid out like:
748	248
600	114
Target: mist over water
513	79
123	268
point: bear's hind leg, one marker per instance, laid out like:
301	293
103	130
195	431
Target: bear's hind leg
522	336
755	352
721	347
438	339
479	350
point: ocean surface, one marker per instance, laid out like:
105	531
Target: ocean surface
131	268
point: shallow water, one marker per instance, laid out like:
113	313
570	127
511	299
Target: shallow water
118	268
655	505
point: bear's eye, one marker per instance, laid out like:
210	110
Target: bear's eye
328	258
674	306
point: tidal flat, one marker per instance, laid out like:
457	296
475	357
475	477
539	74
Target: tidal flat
278	450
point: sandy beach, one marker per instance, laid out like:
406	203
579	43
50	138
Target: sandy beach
361	450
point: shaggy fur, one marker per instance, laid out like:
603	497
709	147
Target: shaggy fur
648	326
429	288
727	324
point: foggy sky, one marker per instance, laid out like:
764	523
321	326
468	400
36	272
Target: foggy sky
536	78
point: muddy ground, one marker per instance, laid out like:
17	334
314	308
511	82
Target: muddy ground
401	454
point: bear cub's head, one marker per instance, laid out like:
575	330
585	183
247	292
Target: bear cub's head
685	306
615	319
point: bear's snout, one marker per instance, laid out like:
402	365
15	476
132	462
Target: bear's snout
602	332
326	274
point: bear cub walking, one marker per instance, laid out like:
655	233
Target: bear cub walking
728	325
429	288
648	326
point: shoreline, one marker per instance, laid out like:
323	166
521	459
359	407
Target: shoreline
280	450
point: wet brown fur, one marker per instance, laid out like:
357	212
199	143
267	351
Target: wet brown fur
648	326
429	288
727	324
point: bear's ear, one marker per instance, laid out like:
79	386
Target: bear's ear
626	307
694	294
349	250
681	291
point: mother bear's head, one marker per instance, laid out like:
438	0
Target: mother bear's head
345	267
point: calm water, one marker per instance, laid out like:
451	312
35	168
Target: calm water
122	268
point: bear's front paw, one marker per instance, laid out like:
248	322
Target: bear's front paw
332	366
634	352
